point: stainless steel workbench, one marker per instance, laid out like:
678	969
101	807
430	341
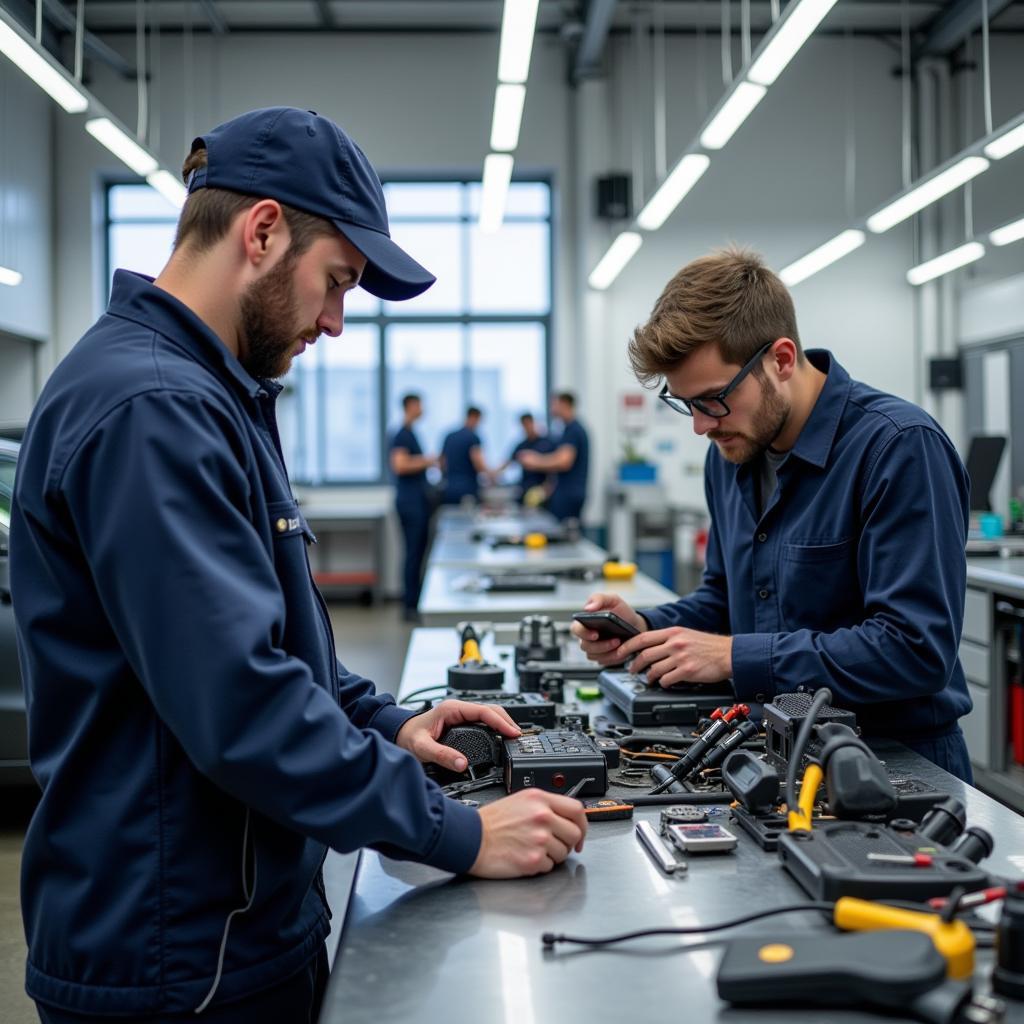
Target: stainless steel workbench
421	946
443	602
456	551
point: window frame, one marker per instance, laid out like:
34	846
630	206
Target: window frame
382	321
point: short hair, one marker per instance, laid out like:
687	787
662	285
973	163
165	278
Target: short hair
473	411
568	397
209	212
408	399
526	416
728	298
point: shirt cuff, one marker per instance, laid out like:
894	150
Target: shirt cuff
752	676
660	617
389	719
458	842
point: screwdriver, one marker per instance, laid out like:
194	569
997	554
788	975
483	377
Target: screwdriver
575	790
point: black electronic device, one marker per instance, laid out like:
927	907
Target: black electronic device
482	748
515	583
522	708
783	718
856	783
983	458
1008	973
538	640
532	674
607	625
833	859
881	969
555	760
643	704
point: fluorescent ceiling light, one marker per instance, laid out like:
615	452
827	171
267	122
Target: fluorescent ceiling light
41	69
1006	144
621	251
9	277
517	25
125	148
800	20
835	249
927	193
733	113
1008	233
497	175
684	176
508	113
170	187
948	261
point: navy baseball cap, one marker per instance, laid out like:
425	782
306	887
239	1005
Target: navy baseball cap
304	160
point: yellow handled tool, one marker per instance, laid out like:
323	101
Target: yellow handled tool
953	939
800	817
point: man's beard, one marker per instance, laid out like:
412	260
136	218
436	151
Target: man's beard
767	423
270	322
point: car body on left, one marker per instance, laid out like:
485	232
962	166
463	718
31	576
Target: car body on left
14	770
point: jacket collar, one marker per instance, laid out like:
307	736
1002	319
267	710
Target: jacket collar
135	297
814	445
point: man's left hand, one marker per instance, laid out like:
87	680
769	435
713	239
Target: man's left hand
677	655
419	735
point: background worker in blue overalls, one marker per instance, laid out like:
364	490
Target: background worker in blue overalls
412	500
462	461
198	743
569	462
532	441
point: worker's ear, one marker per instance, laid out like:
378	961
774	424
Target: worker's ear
783	358
265	232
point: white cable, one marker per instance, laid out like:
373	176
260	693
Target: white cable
745	30
79	40
250	895
660	118
986	67
905	67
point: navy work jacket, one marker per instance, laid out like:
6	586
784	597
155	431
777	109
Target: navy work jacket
854	577
198	744
460	476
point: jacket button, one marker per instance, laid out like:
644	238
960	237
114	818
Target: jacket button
762	537
282	525
762	593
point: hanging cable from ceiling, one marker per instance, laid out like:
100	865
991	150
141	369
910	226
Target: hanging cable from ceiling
660	116
727	75
142	121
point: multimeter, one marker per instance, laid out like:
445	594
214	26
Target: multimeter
701	838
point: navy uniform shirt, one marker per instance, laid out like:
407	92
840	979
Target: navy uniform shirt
854	577
409	486
460	477
531	477
198	744
574	480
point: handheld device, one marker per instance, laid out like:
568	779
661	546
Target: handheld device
607	625
701	838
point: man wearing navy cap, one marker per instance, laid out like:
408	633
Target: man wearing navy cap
198	744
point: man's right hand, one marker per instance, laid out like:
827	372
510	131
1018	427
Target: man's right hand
528	833
603	651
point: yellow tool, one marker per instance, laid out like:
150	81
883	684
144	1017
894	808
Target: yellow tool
470	650
800	818
953	939
535	540
619	570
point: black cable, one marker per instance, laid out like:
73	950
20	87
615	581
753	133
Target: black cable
423	689
821	698
550	939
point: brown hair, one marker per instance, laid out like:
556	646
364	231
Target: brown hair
209	212
729	298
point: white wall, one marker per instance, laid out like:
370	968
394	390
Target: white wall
25	238
423	103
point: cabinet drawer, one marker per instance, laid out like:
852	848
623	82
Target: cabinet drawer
974	659
976	728
978	616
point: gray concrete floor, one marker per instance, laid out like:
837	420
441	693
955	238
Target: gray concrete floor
370	641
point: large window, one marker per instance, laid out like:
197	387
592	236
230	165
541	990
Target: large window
479	336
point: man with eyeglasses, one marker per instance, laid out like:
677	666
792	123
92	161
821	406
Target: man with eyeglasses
838	521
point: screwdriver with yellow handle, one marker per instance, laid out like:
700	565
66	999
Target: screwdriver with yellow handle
472	672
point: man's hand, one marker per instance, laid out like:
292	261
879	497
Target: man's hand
677	655
529	459
419	735
528	833
606	652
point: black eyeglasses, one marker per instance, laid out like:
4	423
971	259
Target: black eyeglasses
714	405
